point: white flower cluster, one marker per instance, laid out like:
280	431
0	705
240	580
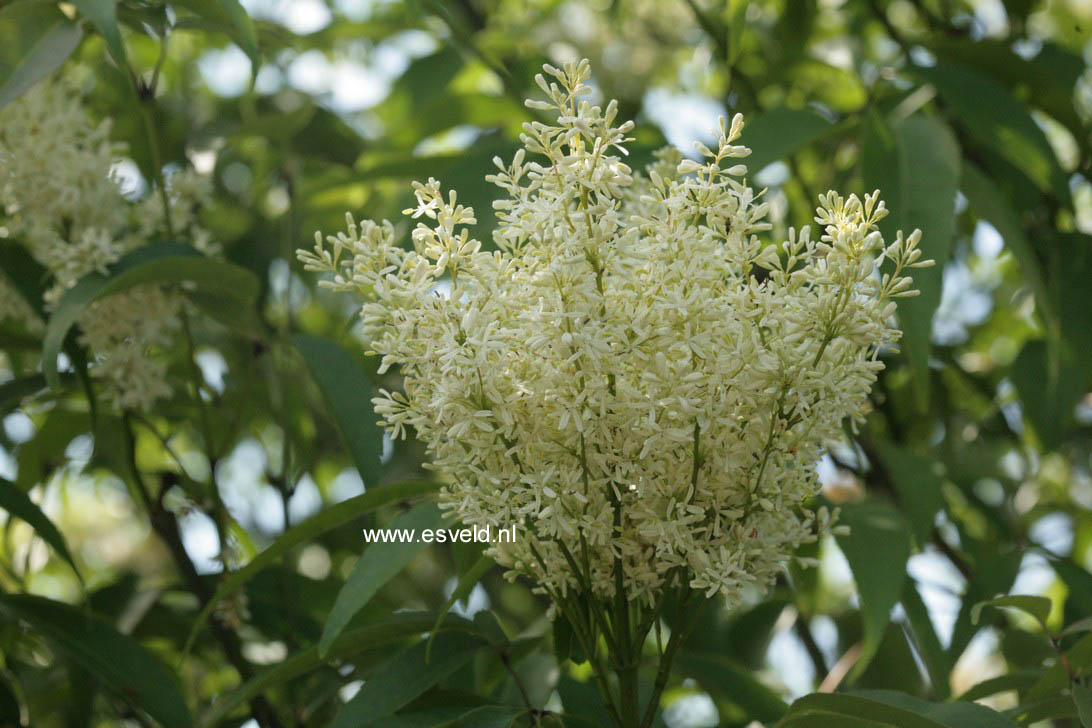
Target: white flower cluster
56	188
60	198
635	375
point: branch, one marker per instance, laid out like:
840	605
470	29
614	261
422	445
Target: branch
803	631
896	35
879	477
165	524
506	660
678	637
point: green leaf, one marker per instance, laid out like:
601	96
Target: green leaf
348	395
163	263
737	25
877	549
18	504
723	677
826	83
1070	257
746	636
820	710
1052	708
378	634
894	666
24	274
379	563
1078	600
779	133
1050	379
989	203
1018	680
956	714
924	636
582	702
444	717
35	39
103	14
991	115
794	27
119	662
994	573
876	708
144	17
1038	607
490	716
1057	677
280	126
10	714
225	308
818	718
1047	78
82	694
918	485
915	164
232	18
563	639
326	520
465	554
1082	698
424	83
38	457
1081	625
406	676
466	583
491	677
14	392
328	136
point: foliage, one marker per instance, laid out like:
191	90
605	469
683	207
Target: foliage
198	559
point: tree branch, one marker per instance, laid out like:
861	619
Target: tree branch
165	524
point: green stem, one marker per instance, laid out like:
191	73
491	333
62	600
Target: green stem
624	663
715	33
157	161
146	101
684	625
506	660
583	631
165	525
595	616
195	382
627	687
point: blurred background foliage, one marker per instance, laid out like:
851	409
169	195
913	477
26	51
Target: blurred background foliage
971	479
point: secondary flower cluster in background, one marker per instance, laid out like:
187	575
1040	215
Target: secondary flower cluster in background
61	199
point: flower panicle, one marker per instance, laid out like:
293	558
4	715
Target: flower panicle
636	373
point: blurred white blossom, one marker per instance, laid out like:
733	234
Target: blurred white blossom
62	201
